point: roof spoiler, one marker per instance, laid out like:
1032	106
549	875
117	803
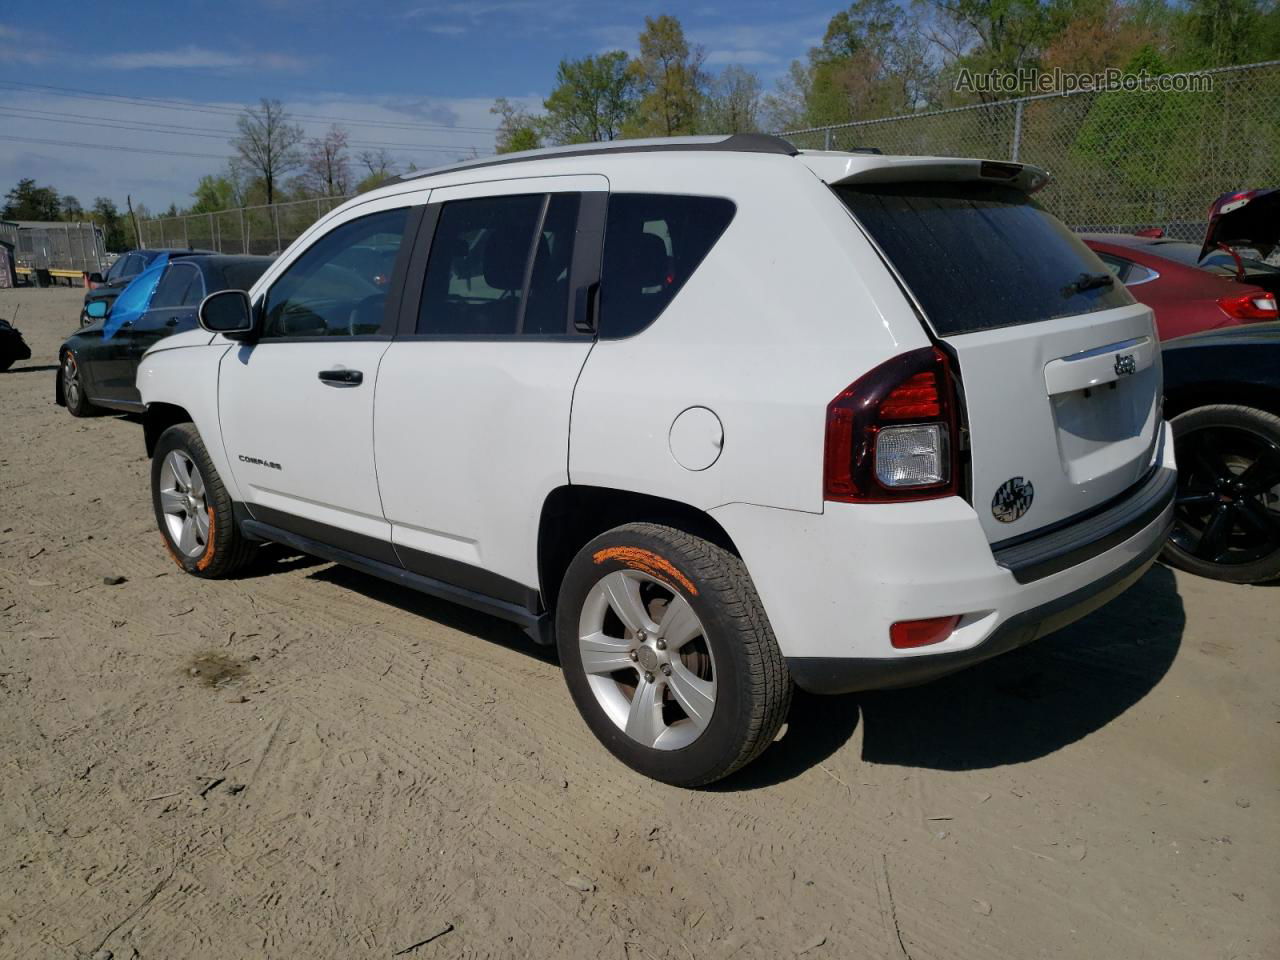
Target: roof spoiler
870	169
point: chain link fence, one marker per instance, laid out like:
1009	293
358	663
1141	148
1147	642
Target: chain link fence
265	229
1121	160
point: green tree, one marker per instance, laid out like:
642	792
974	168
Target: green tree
1217	33
27	201
214	192
105	215
70	208
670	80
593	99
517	128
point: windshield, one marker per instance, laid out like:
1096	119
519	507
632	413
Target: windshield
979	256
242	275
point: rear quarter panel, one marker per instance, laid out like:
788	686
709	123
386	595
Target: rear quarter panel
790	307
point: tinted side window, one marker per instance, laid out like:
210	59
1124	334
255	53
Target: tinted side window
477	271
174	283
133	265
241	275
338	287
547	307
195	289
653	243
117	269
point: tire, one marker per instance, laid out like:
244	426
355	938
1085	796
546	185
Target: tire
722	654
1227	517
73	394
193	508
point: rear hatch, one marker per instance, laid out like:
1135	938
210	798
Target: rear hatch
1244	224
1059	367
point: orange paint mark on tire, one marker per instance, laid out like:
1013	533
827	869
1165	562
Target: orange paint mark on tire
207	558
173	554
646	561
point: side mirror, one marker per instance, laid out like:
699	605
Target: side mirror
229	313
96	309
95	277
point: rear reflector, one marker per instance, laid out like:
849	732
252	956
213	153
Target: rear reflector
906	634
1250	307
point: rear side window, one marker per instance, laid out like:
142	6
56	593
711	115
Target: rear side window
979	256
176	280
500	266
653	244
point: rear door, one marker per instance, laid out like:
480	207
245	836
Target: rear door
1060	368
472	416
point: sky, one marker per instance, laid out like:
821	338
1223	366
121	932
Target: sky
140	98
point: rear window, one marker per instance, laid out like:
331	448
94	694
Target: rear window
979	256
653	243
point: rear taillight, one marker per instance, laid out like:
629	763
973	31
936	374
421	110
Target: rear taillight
1250	306
891	434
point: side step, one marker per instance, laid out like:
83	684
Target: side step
536	625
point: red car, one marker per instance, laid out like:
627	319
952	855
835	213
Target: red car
1194	287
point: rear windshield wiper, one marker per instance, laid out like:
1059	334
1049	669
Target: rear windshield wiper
1088	281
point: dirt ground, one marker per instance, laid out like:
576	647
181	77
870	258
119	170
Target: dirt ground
308	762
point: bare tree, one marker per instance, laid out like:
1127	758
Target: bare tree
268	143
378	162
733	103
327	168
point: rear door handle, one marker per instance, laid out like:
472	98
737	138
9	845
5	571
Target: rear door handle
341	377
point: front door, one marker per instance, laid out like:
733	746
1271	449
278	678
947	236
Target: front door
172	310
296	407
472	420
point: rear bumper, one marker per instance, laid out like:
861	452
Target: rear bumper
833	583
846	675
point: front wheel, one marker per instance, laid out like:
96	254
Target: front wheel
73	395
1227	515
193	508
668	654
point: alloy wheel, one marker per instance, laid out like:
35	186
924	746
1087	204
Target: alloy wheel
1228	500
182	500
647	660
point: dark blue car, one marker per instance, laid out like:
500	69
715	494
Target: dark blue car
98	363
127	266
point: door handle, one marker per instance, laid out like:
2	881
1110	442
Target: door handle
341	377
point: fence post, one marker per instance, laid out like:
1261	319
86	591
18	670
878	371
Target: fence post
216	245
244	237
826	139
275	215
163	241
1017	130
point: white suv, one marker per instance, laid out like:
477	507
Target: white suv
713	415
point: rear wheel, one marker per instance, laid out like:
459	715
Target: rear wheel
1227	515
193	508
73	395
668	654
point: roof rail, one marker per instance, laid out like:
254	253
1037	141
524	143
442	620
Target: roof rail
734	143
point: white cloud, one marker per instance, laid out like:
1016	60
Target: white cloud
199	58
718	58
18	46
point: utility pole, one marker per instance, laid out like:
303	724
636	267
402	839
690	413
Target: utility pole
137	234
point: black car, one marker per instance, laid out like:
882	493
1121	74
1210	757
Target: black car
1222	395
126	267
98	363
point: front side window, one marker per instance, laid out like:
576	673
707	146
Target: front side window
339	286
500	266
117	269
653	243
